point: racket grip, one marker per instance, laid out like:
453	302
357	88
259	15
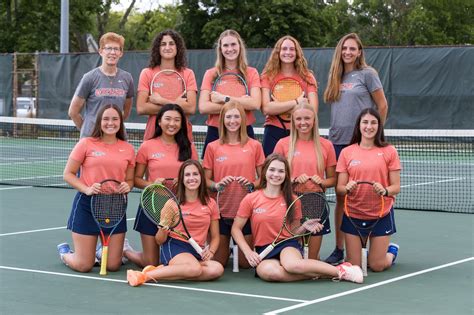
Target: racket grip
235	258
266	251
103	263
305	252
363	260
195	245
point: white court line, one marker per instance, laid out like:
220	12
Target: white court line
154	284
331	297
16	187
43	230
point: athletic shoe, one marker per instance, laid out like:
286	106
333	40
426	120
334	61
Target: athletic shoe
336	257
63	249
393	249
126	247
98	252
348	272
135	278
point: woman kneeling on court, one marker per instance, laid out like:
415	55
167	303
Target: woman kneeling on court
179	259
369	172
266	208
104	155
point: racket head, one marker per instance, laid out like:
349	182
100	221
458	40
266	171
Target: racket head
160	205
313	200
229	198
169	84
363	201
231	84
109	207
286	89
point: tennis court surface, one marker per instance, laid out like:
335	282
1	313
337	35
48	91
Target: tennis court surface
433	274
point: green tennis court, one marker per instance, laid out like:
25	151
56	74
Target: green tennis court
433	274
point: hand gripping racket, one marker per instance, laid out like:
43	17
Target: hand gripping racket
314	203
364	200
162	207
228	202
292	228
230	84
108	209
283	90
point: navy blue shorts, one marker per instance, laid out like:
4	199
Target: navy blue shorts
275	253
81	220
338	148
271	135
385	226
213	135
225	226
143	224
173	247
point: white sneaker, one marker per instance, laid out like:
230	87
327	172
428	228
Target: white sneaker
126	247
350	273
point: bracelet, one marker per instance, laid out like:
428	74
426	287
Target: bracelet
211	251
386	192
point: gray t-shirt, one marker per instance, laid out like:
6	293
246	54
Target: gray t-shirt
356	87
99	90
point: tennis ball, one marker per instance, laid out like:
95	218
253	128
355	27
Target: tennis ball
107	220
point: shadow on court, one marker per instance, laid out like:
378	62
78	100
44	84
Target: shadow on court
34	281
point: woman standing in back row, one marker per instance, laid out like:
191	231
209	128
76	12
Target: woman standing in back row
231	58
352	87
286	61
168	52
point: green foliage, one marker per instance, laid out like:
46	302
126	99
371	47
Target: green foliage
34	25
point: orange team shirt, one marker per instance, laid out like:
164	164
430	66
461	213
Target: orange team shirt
144	83
372	165
266	216
308	88
197	218
161	158
234	159
304	159
252	80
100	161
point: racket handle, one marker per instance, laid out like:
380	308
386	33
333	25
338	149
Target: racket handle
305	252
195	245
235	258
364	261
266	251
103	263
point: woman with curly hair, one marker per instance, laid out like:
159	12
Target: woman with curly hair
286	61
168	52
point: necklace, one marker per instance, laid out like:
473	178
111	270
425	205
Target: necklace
230	69
110	77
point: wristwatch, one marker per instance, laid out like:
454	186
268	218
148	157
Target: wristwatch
226	99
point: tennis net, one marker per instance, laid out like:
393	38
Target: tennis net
438	165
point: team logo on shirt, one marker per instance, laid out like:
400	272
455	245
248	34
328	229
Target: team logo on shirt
259	210
97	153
221	158
297	153
354	163
158	155
347	86
185	213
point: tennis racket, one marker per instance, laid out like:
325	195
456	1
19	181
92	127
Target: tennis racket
364	200
170	85
313	202
283	90
230	84
291	228
228	202
108	209
162	207
171	184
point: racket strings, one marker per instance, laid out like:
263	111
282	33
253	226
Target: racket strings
231	85
287	90
169	85
364	201
169	216
228	200
153	200
109	209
